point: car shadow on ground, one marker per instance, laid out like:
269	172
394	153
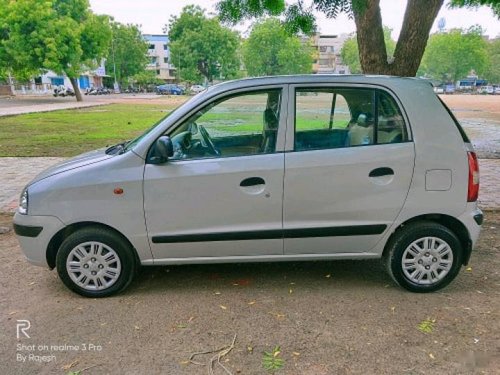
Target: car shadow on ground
311	275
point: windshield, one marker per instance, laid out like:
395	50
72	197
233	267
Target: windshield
131	144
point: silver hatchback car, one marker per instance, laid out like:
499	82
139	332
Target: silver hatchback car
267	169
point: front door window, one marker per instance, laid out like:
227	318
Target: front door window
241	125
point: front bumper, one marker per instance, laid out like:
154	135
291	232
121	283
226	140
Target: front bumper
34	234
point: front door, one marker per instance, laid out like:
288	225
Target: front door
221	193
348	170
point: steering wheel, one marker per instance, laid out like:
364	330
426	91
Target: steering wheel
206	138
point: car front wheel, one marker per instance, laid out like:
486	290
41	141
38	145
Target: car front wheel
95	262
424	256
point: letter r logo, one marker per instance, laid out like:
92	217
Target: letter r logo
22	327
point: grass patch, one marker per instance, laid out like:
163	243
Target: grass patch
71	132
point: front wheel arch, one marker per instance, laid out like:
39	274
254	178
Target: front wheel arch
59	237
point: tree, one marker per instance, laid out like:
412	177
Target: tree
350	51
269	50
202	48
452	55
147	77
59	35
418	19
127	52
493	73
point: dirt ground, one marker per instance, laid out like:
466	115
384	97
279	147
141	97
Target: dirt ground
344	317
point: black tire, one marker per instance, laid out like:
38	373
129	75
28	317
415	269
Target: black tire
410	233
114	241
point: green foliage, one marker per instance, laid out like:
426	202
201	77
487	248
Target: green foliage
202	48
452	55
427	325
269	50
271	361
146	77
494	4
493	73
127	50
350	51
60	35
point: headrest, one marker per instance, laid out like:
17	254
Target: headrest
364	120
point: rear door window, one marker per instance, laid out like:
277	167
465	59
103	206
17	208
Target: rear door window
346	117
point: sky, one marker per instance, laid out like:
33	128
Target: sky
152	15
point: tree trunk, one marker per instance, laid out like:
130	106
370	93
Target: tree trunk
370	35
78	94
417	23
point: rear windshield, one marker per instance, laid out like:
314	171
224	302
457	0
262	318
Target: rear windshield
459	127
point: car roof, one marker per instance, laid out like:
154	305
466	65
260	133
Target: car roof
391	82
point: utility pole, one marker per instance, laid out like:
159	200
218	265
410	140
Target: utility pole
116	87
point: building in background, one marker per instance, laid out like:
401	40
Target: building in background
159	54
49	80
327	58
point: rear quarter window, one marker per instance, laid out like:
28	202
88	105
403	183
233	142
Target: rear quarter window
457	124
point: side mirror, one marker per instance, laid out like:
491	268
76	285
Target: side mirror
163	150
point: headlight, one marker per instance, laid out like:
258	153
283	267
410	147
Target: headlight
23	203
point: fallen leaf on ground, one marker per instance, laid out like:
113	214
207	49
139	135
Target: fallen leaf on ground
296	353
223	307
468	269
137	327
70	365
431	355
251	303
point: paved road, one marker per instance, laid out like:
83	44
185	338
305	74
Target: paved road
16	172
10	106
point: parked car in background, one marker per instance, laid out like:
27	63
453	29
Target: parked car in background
439	89
195	89
496	90
449	89
487	90
169	89
284	168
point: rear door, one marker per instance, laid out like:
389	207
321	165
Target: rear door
348	169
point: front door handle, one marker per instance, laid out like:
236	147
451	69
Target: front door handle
252	181
383	171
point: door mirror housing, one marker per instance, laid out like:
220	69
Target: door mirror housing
162	150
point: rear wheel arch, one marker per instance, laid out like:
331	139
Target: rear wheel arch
59	237
450	222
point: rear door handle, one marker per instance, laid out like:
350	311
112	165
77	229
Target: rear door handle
383	171
252	181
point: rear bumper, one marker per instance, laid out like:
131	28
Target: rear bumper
34	234
472	218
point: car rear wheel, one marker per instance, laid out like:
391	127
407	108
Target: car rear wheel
95	262
424	256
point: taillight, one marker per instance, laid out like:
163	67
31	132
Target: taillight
473	190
